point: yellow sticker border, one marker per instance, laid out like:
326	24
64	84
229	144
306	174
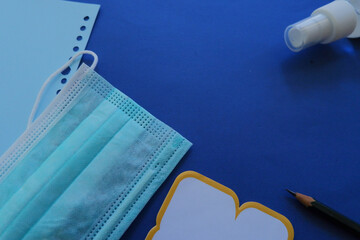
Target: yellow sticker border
238	210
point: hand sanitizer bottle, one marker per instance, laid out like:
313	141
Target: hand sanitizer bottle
338	19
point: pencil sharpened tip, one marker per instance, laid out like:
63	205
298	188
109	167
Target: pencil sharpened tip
291	192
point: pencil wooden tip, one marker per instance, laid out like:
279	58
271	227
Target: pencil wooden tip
305	200
291	192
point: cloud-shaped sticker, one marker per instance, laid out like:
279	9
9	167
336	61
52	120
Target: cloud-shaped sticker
197	207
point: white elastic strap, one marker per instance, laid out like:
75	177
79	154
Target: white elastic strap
46	83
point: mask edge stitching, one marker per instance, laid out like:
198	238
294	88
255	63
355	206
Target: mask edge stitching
139	175
147	186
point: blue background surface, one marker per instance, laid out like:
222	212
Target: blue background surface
261	118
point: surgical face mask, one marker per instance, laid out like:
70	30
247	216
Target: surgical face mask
87	166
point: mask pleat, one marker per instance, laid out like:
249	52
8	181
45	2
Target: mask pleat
54	162
93	189
27	166
65	176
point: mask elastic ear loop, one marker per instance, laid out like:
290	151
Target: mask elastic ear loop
51	77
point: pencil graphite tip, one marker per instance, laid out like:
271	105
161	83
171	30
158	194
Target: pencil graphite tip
291	192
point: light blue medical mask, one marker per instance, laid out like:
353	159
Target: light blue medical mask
87	166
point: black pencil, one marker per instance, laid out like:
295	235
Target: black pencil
312	203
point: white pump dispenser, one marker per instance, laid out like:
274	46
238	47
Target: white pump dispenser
338	19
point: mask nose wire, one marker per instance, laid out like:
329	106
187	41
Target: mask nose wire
51	77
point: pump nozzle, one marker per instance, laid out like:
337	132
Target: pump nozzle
326	24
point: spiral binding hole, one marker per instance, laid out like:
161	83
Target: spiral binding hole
66	71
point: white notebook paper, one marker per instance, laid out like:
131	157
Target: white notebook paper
36	38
